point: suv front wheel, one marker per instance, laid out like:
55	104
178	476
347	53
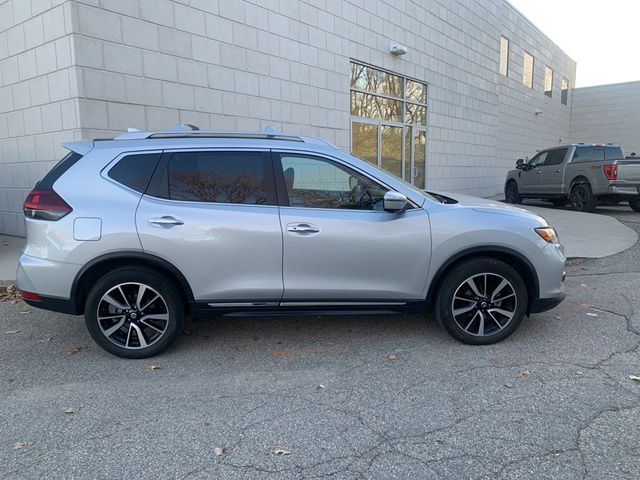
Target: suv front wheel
133	312
481	301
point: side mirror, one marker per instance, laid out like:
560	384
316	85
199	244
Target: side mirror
394	201
520	163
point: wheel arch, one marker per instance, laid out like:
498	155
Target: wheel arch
101	265
580	179
513	258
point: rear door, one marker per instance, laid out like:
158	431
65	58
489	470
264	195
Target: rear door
213	214
340	246
553	172
530	179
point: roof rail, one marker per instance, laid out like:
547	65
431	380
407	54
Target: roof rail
191	131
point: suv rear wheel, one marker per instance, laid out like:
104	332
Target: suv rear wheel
511	194
481	301
582	198
133	312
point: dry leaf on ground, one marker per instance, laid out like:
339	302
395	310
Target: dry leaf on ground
22	444
635	377
155	367
392	356
72	410
281	451
591	314
508	385
9	293
523	373
74	350
11	332
220	451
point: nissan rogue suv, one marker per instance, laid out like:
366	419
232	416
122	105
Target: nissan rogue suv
138	231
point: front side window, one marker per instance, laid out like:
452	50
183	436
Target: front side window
564	92
504	56
538	160
548	81
527	70
315	182
220	177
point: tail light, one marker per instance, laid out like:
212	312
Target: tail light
610	171
45	204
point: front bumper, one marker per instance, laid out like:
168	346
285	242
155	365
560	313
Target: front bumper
543	304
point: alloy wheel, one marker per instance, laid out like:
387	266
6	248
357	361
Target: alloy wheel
133	315
484	304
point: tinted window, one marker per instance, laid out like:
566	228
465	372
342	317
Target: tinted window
613	153
220	177
589	154
135	171
318	183
556	157
56	172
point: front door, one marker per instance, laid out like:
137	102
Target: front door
340	246
530	178
552	172
214	216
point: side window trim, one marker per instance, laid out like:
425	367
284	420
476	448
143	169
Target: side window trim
159	184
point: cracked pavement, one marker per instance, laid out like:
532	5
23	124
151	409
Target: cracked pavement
553	401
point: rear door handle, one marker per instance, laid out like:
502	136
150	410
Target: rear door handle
539	172
558	171
166	221
302	228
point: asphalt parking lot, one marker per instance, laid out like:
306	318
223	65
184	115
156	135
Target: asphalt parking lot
374	397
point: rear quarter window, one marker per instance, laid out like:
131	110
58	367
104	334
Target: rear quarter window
58	170
135	171
613	153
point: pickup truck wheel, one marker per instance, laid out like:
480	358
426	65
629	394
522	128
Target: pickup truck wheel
582	198
634	203
481	301
511	194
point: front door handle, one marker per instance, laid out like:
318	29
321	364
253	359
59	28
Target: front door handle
302	228
558	171
166	221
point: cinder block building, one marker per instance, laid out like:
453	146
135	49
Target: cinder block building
446	94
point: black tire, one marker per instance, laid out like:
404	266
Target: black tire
455	283
511	194
582	198
149	321
559	202
634	203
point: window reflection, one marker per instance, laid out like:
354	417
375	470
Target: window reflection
372	106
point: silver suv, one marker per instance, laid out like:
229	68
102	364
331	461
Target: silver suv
139	231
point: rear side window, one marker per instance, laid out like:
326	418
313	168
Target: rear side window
589	154
613	153
56	172
221	177
135	171
556	157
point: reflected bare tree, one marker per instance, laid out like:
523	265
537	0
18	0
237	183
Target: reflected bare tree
208	187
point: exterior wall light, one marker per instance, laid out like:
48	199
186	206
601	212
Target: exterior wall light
397	49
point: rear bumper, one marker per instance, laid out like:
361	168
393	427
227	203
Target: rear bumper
55	304
628	190
543	304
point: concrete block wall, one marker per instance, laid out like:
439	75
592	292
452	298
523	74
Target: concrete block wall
521	132
245	64
38	98
607	113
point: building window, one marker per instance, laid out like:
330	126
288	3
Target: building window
548	81
564	92
389	121
527	70
504	56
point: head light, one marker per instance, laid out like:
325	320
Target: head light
548	234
